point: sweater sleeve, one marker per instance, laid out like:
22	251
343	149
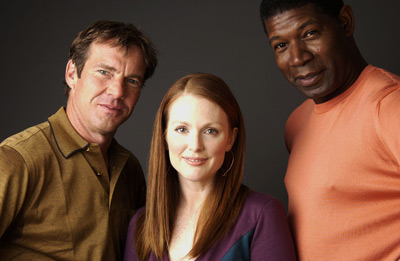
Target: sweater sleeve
272	239
130	248
13	185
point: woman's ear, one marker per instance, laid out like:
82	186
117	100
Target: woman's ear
346	20
232	138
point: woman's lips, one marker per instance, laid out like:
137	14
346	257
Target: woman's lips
195	161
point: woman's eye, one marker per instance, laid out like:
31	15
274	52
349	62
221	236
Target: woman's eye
211	131
181	129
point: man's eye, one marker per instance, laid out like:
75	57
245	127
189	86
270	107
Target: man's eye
279	46
310	33
103	72
134	82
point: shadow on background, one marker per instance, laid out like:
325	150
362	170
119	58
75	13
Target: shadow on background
220	37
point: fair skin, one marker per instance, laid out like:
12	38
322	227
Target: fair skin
106	93
315	52
198	135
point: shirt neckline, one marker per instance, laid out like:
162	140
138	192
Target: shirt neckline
328	105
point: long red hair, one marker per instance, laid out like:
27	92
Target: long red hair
154	226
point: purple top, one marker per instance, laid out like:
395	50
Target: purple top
260	233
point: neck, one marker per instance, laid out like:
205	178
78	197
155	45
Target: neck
355	67
103	140
193	195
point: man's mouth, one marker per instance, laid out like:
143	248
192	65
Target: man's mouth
308	79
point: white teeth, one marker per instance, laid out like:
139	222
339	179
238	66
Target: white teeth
195	160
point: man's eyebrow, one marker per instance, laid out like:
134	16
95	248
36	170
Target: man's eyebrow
273	38
106	66
307	23
301	27
112	69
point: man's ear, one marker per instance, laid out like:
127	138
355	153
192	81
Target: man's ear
346	20
232	138
71	74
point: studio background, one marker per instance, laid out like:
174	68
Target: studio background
225	38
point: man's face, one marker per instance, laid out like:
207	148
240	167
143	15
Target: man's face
107	91
311	50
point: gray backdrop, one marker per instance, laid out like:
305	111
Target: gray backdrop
220	37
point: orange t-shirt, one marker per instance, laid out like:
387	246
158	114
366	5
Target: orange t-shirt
343	176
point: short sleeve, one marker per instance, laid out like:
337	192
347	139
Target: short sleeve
389	123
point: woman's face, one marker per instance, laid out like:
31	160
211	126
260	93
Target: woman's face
198	135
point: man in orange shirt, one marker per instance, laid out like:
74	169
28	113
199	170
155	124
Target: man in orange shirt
343	175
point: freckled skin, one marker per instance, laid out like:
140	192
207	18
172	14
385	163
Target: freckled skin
315	52
198	136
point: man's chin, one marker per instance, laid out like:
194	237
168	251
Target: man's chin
109	127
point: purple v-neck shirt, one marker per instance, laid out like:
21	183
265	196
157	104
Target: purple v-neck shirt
261	232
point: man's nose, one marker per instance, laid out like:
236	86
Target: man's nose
116	88
299	54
